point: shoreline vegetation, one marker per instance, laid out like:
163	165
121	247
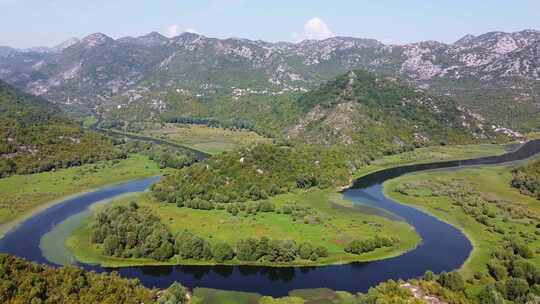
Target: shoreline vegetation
431	284
341	224
27	195
482	203
91	254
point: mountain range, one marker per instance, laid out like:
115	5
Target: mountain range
494	76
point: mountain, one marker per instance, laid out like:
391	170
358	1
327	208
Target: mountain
375	113
152	39
36	136
494	75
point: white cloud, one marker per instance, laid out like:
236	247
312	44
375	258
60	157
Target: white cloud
176	29
316	28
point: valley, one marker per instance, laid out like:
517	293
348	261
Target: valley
195	167
203	138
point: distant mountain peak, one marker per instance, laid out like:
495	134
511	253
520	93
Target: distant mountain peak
96	39
465	40
150	39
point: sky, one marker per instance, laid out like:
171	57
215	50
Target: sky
30	23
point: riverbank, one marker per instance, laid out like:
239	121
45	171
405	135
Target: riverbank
435	154
508	213
198	221
26	195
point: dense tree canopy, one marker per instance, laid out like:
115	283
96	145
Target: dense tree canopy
25	282
36	137
255	173
527	179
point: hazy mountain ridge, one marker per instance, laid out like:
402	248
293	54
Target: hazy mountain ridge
495	74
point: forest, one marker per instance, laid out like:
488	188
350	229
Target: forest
35	136
256	173
30	283
213	123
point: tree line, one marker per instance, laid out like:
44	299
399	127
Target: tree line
213	123
134	232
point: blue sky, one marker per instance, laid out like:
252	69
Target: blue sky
25	23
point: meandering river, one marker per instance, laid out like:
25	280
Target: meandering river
443	247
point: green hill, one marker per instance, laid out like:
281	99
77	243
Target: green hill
35	136
375	114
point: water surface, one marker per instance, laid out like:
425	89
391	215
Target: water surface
443	247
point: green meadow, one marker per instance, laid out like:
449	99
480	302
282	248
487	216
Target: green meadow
338	223
24	195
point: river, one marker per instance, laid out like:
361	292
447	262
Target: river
443	247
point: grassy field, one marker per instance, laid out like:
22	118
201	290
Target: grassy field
23	195
340	223
509	213
206	139
433	154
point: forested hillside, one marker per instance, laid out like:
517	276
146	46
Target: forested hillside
375	114
256	173
36	137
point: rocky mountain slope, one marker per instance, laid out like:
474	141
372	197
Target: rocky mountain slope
360	109
495	74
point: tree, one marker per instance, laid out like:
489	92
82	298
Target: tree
321	251
452	280
175	294
246	249
497	271
110	245
429	276
490	295
164	252
223	252
305	250
516	288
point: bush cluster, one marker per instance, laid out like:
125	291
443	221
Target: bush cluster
527	179
517	278
368	245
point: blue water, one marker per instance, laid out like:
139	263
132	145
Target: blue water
443	247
